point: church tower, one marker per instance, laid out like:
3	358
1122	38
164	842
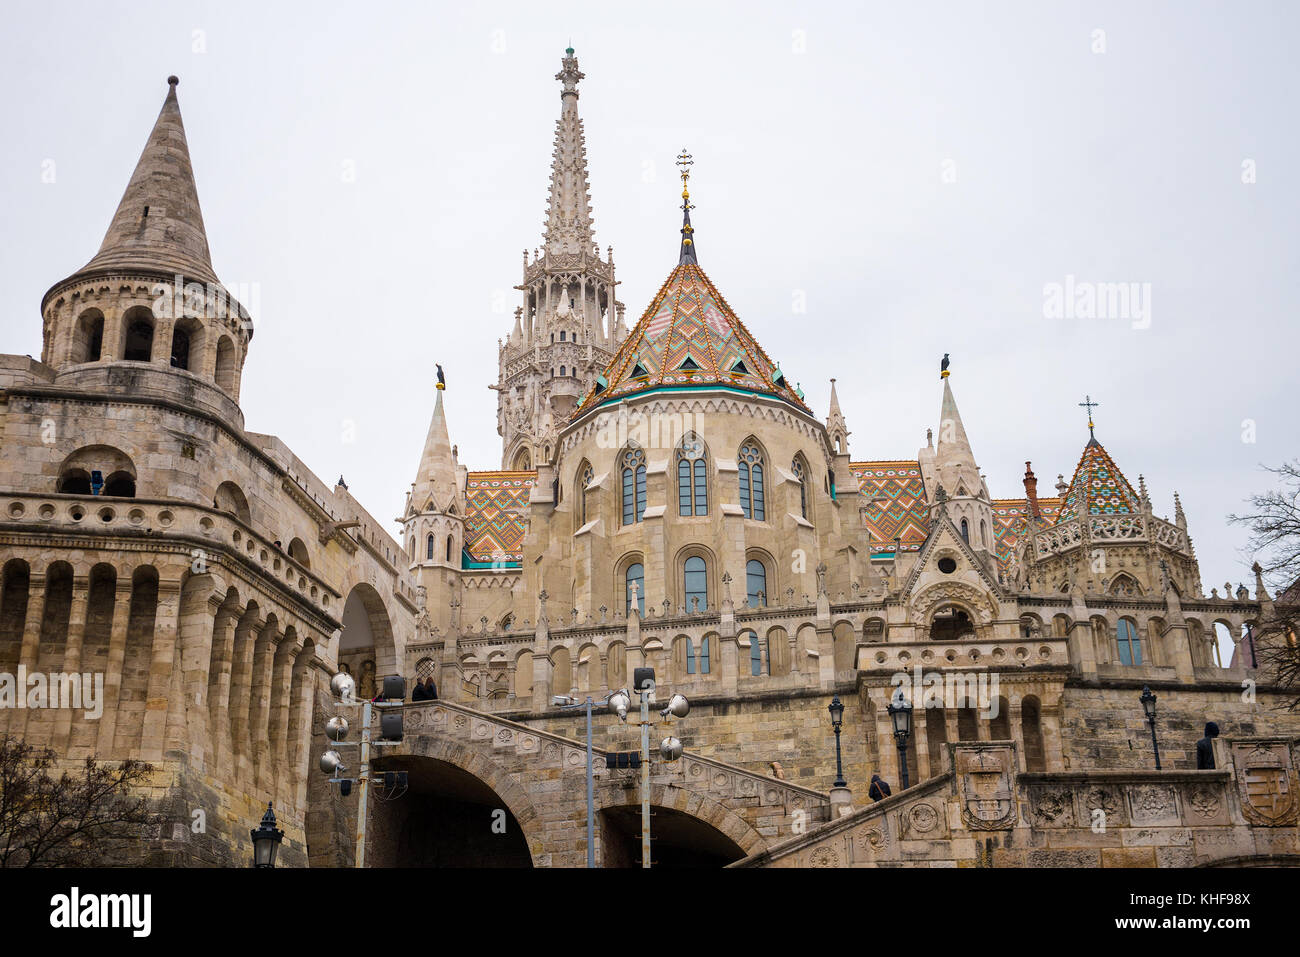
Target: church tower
570	323
950	466
433	523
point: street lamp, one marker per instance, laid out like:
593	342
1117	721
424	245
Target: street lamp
266	840
618	702
836	708
1149	706
900	712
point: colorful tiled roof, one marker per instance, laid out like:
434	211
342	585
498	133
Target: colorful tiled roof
897	504
689	337
496	515
1010	516
1098	487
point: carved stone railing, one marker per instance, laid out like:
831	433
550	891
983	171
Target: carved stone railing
903	656
1109	529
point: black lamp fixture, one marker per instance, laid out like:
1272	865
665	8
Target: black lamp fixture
900	713
266	840
836	708
1149	706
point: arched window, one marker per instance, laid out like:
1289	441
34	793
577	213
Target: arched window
230	498
428	548
797	468
704	656
562	368
225	371
690	657
119	484
298	552
984	533
635	574
451	543
633	486
751	482
755	583
695	581
692	477
139	341
562	339
180	348
1130	646
965	531
585	475
755	655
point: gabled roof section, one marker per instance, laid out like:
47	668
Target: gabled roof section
158	225
496	516
896	503
1098	487
942	528
689	317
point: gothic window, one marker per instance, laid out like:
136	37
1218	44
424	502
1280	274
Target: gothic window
635	574
690	657
633	486
562	369
704	656
984	533
695	581
751	481
797	468
225	372
428	549
561	335
755	655
1130	646
450	545
585	475
692	477
755	583
965	531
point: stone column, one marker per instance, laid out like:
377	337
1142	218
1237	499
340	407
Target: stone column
162	661
281	709
259	729
219	675
105	744
29	653
919	732
1014	717
246	632
62	738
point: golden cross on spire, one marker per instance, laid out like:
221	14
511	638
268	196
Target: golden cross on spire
685	162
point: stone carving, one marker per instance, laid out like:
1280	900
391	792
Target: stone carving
824	857
1052	807
1204	801
1264	773
985	780
1151	804
922	818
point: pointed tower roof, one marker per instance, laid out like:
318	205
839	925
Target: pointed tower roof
158	225
568	212
436	480
689	337
1098	486
953	443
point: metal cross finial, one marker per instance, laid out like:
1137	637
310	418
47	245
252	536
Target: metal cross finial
685	162
1089	405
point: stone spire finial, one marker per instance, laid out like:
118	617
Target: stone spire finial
1180	517
568	214
436	479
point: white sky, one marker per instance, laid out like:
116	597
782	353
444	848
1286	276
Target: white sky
818	173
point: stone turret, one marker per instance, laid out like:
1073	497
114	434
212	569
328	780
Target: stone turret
952	466
433	525
150	296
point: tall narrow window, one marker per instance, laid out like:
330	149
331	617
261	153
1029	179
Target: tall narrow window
1130	647
751	482
704	656
755	655
692	477
139	342
585	476
696	584
755	583
449	547
428	549
635	574
633	486
797	468
965	531
690	657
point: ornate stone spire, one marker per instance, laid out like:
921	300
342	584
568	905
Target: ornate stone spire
158	225
568	212
436	480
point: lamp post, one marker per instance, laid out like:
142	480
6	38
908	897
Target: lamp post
1149	706
900	713
567	702
836	708
266	840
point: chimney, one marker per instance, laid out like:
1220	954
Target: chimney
1031	493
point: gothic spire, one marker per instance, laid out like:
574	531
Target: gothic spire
436	480
568	213
158	225
687	254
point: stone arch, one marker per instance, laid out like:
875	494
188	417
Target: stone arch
771	587
778	651
621	568
138	328
693	804
87	337
187	344
587	674
367	628
678	587
230	498
844	642
427	751
298	552
1031	733
524	674
115	468
749	647
616	664
227	365
561	670
14	596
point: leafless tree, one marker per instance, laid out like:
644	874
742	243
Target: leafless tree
77	819
1274	524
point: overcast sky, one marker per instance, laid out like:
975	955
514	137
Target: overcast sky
916	173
